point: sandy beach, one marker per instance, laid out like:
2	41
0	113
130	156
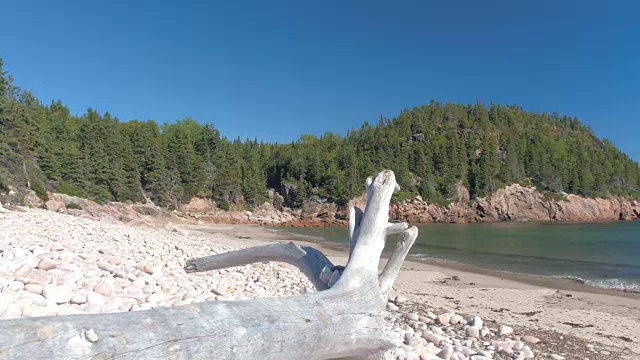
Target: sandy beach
566	313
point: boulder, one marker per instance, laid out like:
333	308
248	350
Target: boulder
32	200
289	194
225	217
146	210
315	206
68	199
199	206
278	202
54	205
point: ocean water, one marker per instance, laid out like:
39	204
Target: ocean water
603	254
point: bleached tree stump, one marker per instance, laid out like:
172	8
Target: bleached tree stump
344	319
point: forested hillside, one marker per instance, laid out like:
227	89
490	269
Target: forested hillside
430	148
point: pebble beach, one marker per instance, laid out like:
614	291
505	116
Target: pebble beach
53	264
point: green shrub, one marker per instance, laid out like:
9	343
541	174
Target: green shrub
552	196
443	202
73	206
40	191
402	195
71	189
224	205
4	185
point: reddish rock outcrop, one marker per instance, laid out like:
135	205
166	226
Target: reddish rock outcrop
318	207
512	203
317	212
199	206
519	203
419	211
145	214
224	217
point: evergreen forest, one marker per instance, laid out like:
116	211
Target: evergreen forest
430	148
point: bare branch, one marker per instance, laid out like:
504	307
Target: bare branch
396	228
392	268
368	183
309	260
355	218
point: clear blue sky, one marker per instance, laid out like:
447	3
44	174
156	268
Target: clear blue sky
274	70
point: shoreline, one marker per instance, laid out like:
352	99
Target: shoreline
537	303
557	283
545	281
336	224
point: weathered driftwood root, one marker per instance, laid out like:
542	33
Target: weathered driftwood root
309	260
343	320
392	268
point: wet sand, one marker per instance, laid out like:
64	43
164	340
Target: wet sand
604	316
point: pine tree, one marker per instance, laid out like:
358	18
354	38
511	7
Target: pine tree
97	168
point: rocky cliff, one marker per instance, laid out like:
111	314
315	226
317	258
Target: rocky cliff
518	203
315	212
147	215
512	203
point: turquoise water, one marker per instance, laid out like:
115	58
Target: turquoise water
603	254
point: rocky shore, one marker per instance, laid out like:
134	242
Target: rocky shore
54	264
518	203
511	203
428	333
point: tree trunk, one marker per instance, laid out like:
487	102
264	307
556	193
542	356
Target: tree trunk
342	320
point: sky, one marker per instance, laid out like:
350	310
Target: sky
273	70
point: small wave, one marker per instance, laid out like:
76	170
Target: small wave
427	257
573	278
615	284
303	236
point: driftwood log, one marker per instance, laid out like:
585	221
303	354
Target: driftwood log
343	319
